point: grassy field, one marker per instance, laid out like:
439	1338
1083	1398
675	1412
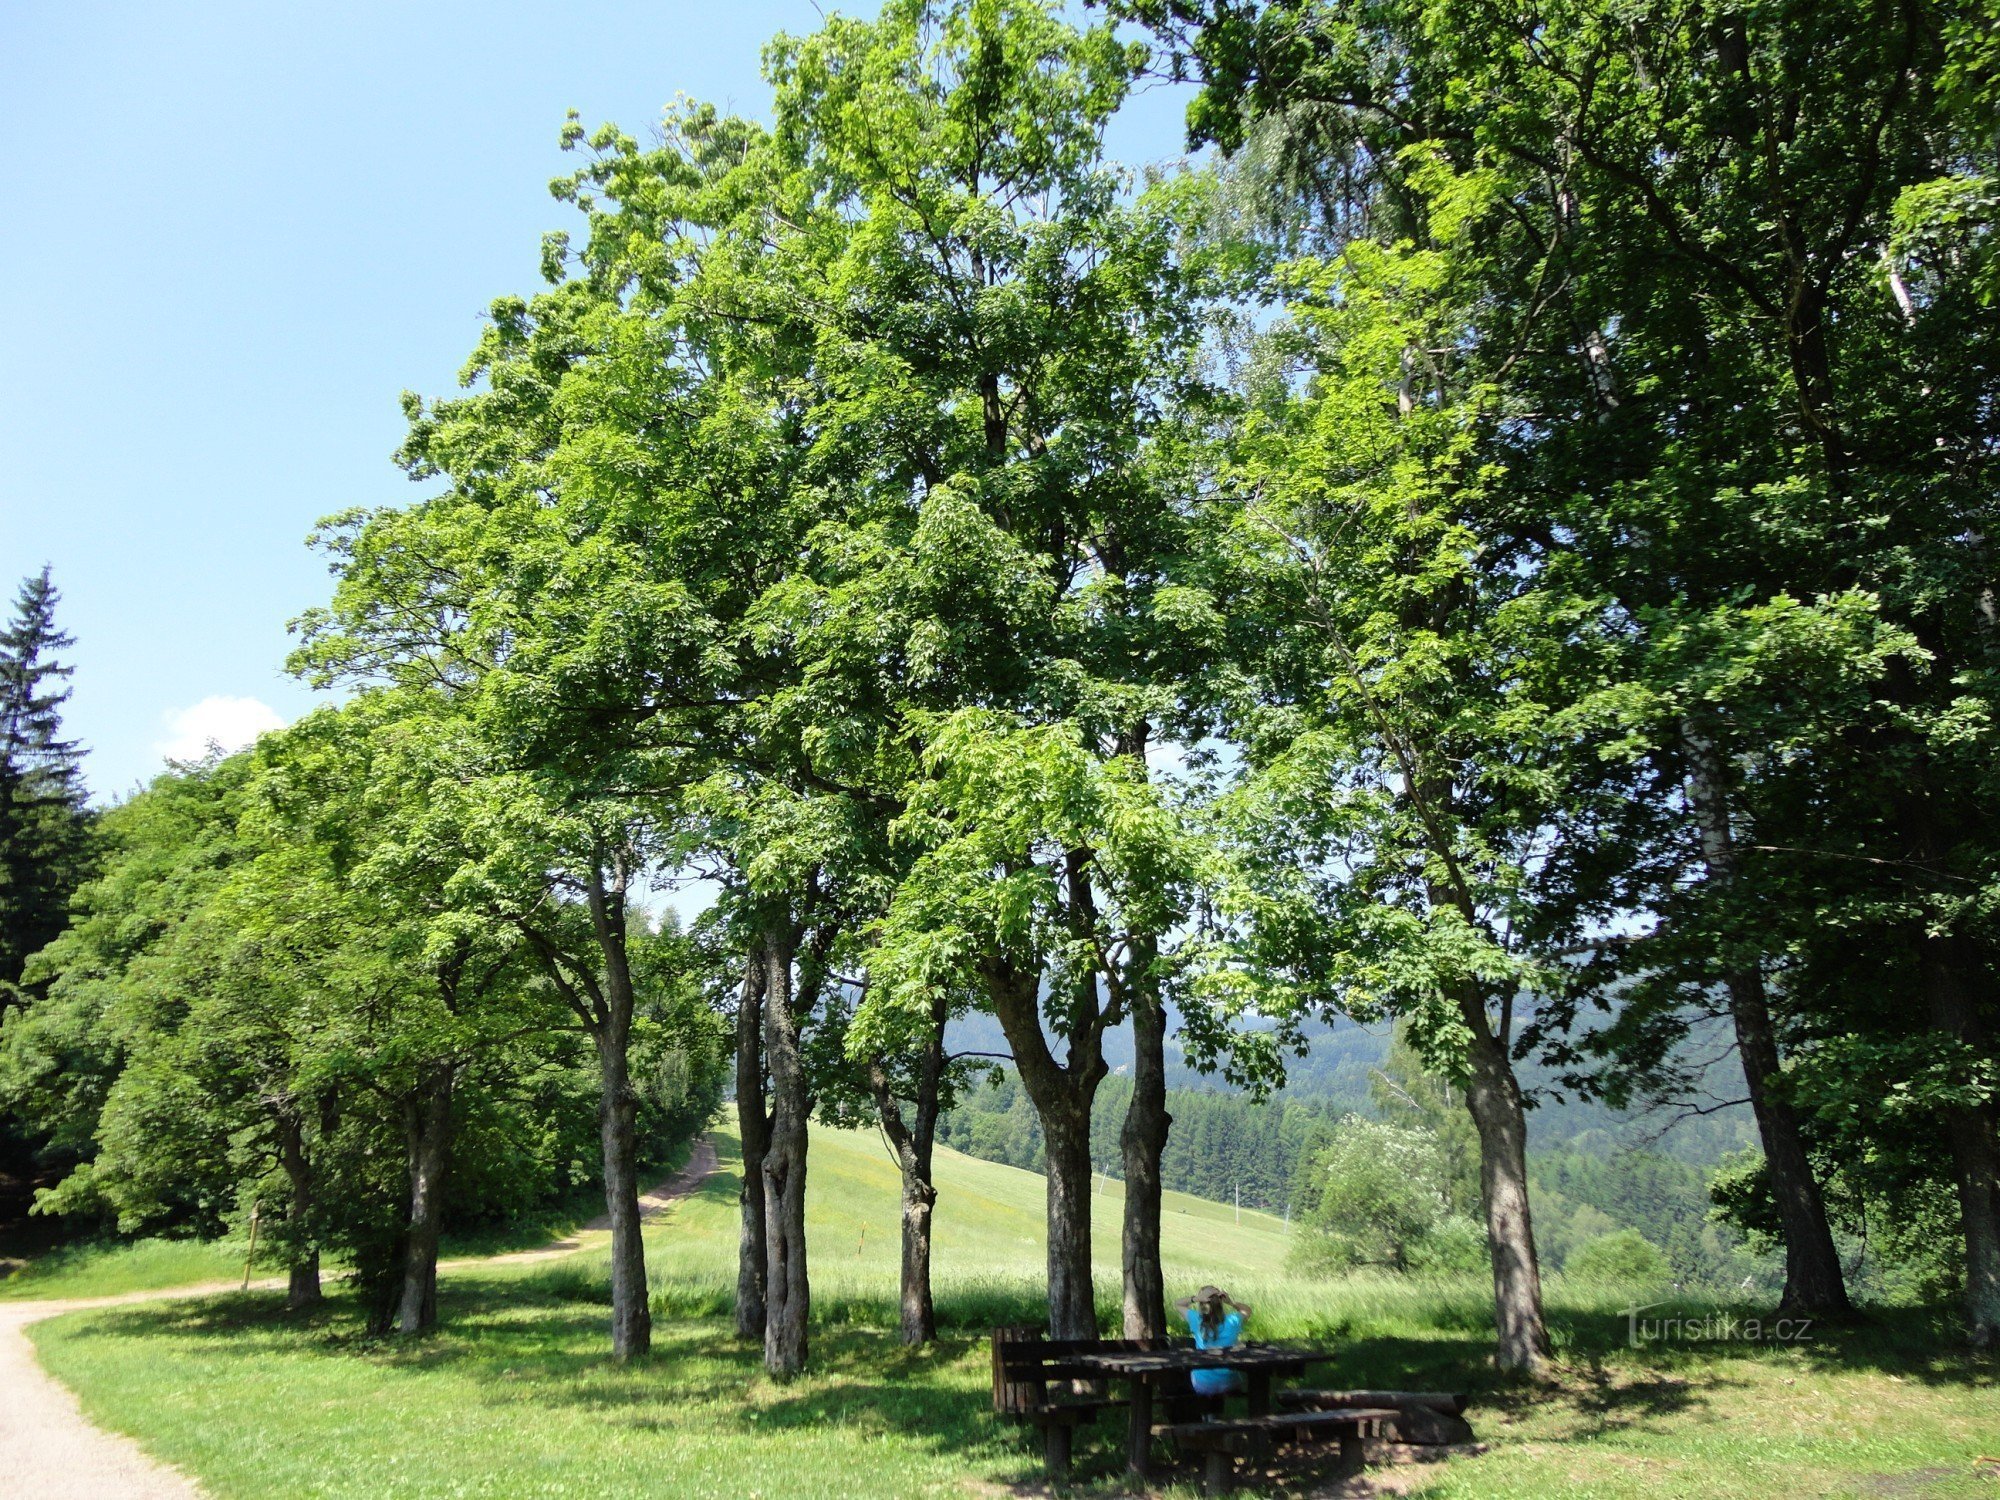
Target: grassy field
515	1397
109	1270
114	1268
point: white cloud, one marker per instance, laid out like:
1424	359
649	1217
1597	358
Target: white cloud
231	723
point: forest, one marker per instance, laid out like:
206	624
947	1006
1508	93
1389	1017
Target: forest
1494	543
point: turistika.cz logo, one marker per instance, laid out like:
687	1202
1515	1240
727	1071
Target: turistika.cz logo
1712	1328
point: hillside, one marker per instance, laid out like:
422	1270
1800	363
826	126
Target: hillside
988	1225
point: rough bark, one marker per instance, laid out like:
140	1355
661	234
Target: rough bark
914	1142
1814	1282
754	1131
1142	1142
1143	1139
304	1289
1072	1293
787	1289
618	1108
428	1123
1493	1097
1061	1094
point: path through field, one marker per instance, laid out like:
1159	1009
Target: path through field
50	1451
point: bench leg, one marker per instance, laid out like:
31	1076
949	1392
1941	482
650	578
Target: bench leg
1055	1448
1139	1428
1217	1472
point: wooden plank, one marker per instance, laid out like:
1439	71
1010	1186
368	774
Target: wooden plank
1425	1418
1231	1429
1450	1403
1013	1394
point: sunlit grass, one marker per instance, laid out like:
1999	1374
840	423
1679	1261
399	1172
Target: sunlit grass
111	1269
516	1397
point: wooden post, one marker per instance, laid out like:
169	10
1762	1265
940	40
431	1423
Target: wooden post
1139	1427
1217	1471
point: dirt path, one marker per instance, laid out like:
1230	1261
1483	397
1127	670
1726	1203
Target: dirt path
49	1450
655	1201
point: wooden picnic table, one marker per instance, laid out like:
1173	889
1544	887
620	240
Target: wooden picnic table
1143	1370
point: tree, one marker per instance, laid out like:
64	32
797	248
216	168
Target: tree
162	852
1040	859
1371	1196
44	825
1692	209
1624	1257
1002	340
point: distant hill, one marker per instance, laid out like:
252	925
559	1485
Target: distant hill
1341	1058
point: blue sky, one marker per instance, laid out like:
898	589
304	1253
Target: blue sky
234	233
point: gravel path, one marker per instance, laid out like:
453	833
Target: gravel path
50	1451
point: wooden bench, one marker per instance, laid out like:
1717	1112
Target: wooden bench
1025	1367
1423	1418
1037	1381
1221	1441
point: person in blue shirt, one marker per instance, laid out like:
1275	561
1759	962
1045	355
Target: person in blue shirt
1216	1321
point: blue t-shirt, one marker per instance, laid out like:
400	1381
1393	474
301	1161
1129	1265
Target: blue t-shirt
1216	1382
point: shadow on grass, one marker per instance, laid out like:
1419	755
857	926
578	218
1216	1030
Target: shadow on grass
539	1340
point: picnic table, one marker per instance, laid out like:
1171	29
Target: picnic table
1145	1371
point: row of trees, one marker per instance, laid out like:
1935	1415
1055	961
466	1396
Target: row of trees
322	985
1636	504
1505	549
1510	540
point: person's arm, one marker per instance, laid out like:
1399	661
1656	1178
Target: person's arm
1184	1303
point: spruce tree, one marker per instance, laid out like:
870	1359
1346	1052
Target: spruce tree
43	820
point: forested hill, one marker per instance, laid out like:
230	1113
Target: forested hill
1337	1075
1595	1173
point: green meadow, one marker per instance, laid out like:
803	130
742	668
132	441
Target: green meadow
514	1396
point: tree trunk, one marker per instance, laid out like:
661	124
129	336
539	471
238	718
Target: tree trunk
1493	1097
618	1109
429	1130
1975	1151
1946	963
1072	1293
304	1290
631	1318
1062	1094
914	1144
913	1157
787	1288
918	1309
1814	1282
1142	1142
754	1131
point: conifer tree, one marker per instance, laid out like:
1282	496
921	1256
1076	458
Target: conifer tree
43	821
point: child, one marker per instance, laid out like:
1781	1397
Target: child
1216	1320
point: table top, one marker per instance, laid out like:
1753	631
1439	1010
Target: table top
1277	1358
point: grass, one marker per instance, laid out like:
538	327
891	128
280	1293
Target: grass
514	1397
112	1268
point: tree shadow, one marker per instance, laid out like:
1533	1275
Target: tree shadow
525	1341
